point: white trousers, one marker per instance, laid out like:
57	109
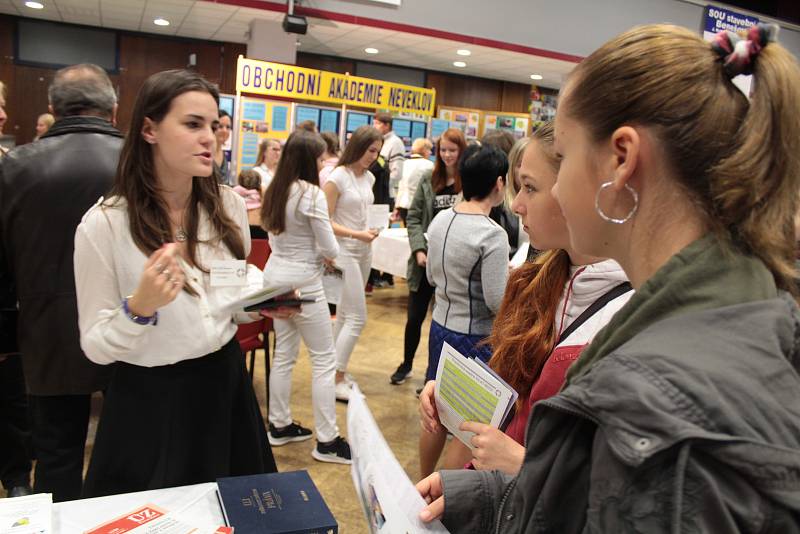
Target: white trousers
313	325
351	312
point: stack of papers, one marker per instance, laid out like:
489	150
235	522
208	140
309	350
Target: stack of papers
32	514
468	390
152	519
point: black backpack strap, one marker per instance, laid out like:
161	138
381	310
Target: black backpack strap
595	307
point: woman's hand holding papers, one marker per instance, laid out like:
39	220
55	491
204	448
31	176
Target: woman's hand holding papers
428	417
493	449
431	490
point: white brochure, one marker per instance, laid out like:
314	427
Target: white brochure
390	500
377	216
32	514
467	390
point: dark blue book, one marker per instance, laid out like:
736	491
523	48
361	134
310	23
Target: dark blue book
275	503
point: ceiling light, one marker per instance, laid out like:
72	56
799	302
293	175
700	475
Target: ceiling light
34	5
160	21
371	50
536	76
459	64
463	52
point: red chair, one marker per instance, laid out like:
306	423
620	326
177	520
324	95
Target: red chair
253	336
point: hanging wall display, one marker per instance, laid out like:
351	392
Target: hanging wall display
469	118
259	119
518	124
543	105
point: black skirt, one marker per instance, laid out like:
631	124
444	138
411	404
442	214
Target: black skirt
178	424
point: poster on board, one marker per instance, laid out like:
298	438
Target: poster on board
259	119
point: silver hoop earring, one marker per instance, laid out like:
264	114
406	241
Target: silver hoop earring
612	219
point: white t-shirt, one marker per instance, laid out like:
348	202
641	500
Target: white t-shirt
355	194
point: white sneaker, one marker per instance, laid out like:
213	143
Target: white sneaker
343	390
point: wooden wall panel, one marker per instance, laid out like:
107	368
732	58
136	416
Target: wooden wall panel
141	56
515	97
230	55
479	93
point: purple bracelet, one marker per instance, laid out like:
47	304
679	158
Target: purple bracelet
138	319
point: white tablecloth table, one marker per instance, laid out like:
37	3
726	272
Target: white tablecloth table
196	504
390	252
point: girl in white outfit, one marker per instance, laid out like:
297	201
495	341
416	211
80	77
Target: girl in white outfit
349	192
269	154
295	213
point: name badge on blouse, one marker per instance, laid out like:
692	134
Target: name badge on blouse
226	273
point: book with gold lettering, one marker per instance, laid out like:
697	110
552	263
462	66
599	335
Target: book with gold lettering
275	503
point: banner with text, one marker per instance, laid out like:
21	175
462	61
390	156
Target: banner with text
716	19
276	79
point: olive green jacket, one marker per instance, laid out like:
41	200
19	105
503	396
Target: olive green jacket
418	219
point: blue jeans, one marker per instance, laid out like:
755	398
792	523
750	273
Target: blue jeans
466	344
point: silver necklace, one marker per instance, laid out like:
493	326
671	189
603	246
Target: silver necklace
180	235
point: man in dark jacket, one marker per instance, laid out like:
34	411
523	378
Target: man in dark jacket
45	188
15	456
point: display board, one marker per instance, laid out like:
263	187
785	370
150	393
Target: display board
326	119
355	119
517	124
470	118
542	106
259	119
227	104
409	129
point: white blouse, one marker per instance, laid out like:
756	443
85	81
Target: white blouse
108	267
308	236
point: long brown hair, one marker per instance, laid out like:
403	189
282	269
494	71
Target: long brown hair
136	181
439	175
358	144
298	162
524	332
737	159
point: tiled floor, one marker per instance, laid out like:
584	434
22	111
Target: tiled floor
376	356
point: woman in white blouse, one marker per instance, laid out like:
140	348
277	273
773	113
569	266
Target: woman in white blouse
349	192
157	266
295	214
269	154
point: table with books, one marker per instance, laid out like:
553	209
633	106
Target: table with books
272	503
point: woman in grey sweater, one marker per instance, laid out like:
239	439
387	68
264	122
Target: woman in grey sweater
468	267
